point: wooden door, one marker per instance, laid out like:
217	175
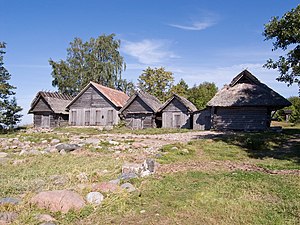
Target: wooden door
137	123
110	117
45	123
87	117
177	120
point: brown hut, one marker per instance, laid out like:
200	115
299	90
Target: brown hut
140	111
245	104
177	113
49	109
96	105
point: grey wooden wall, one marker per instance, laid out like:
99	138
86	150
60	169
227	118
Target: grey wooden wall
241	118
49	120
202	120
138	115
93	109
176	115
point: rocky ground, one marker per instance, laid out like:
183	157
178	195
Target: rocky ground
137	153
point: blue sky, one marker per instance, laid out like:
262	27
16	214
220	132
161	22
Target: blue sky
198	40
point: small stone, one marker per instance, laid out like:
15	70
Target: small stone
116	181
132	168
55	141
59	179
128	187
82	177
106	187
7	217
9	200
113	142
45	218
174	148
67	147
3	154
34	152
62	152
117	152
145	173
142	211
185	151
127	176
44	142
48	223
94	198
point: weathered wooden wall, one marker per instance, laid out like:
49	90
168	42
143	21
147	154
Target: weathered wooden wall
202	120
93	109
49	120
41	106
176	115
138	115
241	118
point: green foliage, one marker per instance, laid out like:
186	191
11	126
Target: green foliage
157	82
97	60
295	108
286	32
201	94
181	89
8	105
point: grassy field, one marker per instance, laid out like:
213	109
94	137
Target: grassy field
207	194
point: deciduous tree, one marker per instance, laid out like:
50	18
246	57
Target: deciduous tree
285	32
201	94
157	82
97	60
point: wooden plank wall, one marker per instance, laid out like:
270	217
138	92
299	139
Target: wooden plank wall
202	120
56	120
169	113
241	118
92	109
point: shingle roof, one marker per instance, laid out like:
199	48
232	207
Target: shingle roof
57	102
118	98
246	90
190	106
150	100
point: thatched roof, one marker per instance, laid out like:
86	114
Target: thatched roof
190	106
246	90
149	100
57	102
118	98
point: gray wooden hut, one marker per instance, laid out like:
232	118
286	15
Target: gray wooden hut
49	109
202	119
177	112
96	105
245	104
140	111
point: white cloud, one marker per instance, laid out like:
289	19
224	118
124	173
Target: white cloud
195	25
149	51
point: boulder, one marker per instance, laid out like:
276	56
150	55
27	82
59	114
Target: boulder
106	187
128	187
67	147
58	200
132	168
9	200
94	198
149	164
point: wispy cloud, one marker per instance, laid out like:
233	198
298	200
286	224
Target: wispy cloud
195	25
201	21
149	51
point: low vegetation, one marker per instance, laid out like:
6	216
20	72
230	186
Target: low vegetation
200	181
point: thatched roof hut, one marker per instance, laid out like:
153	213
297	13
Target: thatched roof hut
245	104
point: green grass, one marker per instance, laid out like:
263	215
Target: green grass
198	197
